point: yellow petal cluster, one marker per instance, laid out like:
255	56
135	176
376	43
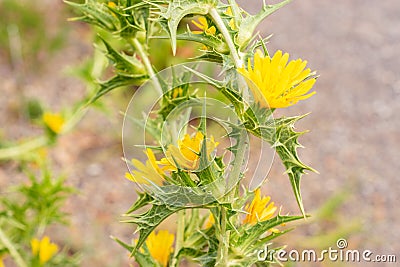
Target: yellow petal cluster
44	249
276	83
229	13
146	174
187	154
202	24
54	121
160	246
259	209
112	4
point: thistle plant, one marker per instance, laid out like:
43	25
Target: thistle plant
173	144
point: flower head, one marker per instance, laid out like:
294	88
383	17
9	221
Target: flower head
276	84
202	24
112	4
187	154
259	209
144	174
160	246
44	249
54	121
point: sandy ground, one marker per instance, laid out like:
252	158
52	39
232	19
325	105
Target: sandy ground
353	143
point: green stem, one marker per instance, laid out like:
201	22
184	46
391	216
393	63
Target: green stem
15	151
223	238
41	141
146	61
12	250
228	39
180	231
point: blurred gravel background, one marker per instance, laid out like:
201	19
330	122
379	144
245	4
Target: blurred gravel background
353	143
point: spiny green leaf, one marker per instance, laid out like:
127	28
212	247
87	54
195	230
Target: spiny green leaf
149	220
249	23
123	244
283	138
177	10
96	13
246	240
214	43
143	200
145	260
127	66
115	82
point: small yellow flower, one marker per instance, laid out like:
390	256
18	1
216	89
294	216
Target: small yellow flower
145	174
160	246
177	92
276	84
187	154
210	221
44	249
203	25
259	209
54	121
112	4
229	13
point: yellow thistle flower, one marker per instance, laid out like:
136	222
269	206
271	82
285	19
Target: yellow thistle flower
259	209
145	174
276	84
160	246
44	249
203	25
187	154
54	121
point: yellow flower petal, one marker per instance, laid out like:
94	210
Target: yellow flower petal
259	209
228	12
187	154
160	246
146	174
277	83
54	121
202	24
210	221
44	249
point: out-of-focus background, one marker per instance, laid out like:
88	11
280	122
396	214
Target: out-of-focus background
353	143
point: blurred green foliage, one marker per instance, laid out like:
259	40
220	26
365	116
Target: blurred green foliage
26	32
26	211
